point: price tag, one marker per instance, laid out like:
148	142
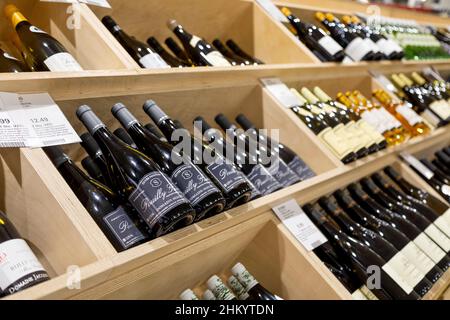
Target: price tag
272	9
99	3
416	164
298	223
33	120
281	92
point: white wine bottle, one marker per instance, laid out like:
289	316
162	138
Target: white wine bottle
45	52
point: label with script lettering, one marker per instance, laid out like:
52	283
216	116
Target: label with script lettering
225	175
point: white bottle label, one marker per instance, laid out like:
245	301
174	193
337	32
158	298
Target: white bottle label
429	247
358	295
18	264
403	272
153	61
62	61
330	45
335	143
418	257
389	118
446	215
370	130
409	114
386	47
357	49
441	109
369	294
441	239
443	225
216	59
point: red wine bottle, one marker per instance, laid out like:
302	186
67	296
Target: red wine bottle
178	52
238	50
234	59
167	57
123	135
203	195
93	170
154	196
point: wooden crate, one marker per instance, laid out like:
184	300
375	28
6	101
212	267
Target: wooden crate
74	26
245	22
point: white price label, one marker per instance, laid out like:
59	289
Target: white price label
99	3
298	223
281	92
272	9
416	164
33	120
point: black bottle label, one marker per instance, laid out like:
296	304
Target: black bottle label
263	180
225	175
282	173
301	169
123	228
19	267
155	195
193	183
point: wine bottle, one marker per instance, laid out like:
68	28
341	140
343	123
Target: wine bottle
138	50
286	154
268	158
203	195
420	238
198	50
20	269
336	144
10	64
398	239
398	266
93	170
157	200
101	203
375	141
409	213
178	52
238	288
231	182
123	135
238	50
166	56
442	162
254	289
240	159
47	53
154	129
354	46
361	257
208	295
233	58
439	174
315	38
219	289
188	295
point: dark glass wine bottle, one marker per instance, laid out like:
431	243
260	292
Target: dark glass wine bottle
163	53
439	174
101	203
158	201
238	50
398	239
45	52
10	64
92	169
234	59
361	257
203	195
231	182
154	129
442	162
178	52
414	233
19	268
123	135
254	289
265	156
198	50
315	38
138	50
286	154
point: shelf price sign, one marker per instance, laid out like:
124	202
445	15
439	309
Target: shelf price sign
297	222
33	121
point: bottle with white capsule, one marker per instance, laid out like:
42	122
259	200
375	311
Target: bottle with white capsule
219	289
188	294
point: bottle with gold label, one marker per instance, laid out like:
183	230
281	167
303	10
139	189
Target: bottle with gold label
356	140
336	144
404	113
375	140
400	134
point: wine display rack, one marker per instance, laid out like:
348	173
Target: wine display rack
65	237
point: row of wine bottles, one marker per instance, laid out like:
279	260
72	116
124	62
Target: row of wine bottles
384	227
141	185
197	51
39	50
243	287
350	39
435	172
